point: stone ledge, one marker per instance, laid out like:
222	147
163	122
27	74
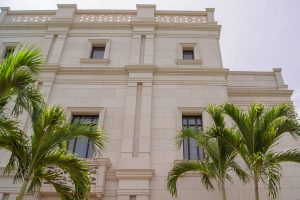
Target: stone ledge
94	61
188	62
134	174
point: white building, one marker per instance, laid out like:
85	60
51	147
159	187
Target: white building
140	74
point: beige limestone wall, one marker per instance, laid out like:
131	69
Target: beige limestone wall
140	91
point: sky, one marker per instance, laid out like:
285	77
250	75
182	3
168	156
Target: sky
256	35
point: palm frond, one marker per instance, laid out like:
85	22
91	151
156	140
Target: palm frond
75	167
186	166
55	179
242	174
243	123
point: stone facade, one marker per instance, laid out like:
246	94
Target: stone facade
140	88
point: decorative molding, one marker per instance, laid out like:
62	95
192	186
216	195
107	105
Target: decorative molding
33	18
103	18
140	68
94	61
243	91
133	192
181	19
188	62
134	174
191	71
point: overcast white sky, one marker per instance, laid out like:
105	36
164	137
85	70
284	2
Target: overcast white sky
256	34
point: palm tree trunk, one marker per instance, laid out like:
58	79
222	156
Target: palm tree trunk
223	190
256	186
22	190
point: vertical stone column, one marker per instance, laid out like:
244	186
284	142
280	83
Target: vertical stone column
129	120
210	15
135	49
55	54
4	11
149	49
134	172
279	79
145	121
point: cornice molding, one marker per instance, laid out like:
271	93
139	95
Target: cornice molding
134	174
140	68
191	71
243	91
188	62
94	61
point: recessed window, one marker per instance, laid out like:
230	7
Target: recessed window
8	51
98	52
5	196
190	149
82	146
188	54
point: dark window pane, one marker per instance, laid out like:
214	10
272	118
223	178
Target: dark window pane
186	149
193	150
71	145
190	149
81	146
188	54
8	51
90	152
192	122
98	52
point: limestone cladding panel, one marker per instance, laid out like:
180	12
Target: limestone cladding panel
75	49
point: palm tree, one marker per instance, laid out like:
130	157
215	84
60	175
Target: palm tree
18	78
32	157
258	131
220	157
18	89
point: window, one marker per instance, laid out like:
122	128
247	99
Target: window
98	52
5	196
82	146
188	54
190	149
8	51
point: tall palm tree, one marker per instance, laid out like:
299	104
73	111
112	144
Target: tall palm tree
32	157
220	157
18	81
258	131
18	88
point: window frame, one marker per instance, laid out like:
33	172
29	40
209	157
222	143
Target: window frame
189	47
8	45
91	43
190	111
100	111
200	152
86	156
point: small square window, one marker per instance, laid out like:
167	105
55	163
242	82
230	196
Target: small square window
8	51
188	54
98	52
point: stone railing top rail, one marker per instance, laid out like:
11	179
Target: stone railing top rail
104	16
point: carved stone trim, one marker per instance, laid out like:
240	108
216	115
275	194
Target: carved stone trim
94	61
134	174
188	62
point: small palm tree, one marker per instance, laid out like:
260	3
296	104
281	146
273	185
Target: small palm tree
32	157
258	131
220	157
